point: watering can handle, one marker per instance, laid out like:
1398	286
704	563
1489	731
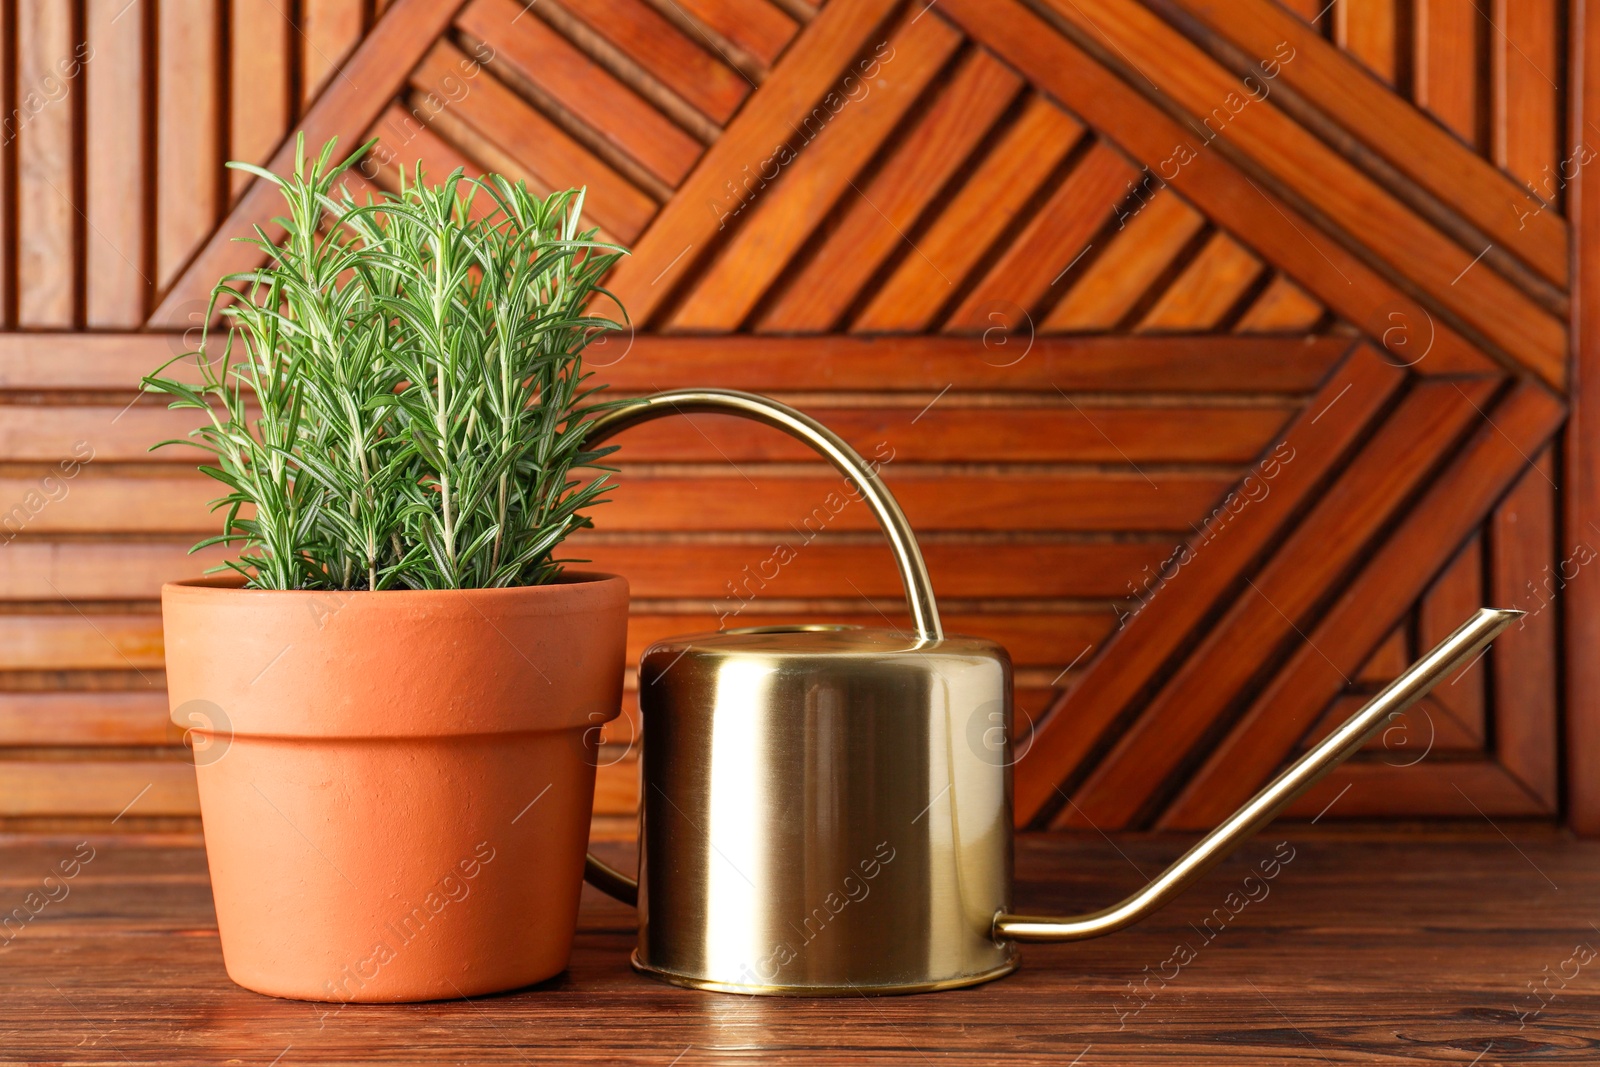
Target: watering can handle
876	495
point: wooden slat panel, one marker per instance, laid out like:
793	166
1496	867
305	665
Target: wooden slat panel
348	106
45	160
1278	232
907	364
877	219
1365	383
81	571
1407	139
116	288
1153	232
1055	236
1207	290
808	70
1282	307
260	61
536	143
542	57
1525	573
1446	65
754	25
1455	595
188	157
1525	64
1065	431
132	642
1366	29
1343	194
694	73
932	499
1018	165
1581	499
329	31
719	499
1273	610
98	787
832	147
121	570
86	718
1449	790
1453	506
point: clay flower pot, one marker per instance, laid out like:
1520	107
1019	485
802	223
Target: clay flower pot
396	786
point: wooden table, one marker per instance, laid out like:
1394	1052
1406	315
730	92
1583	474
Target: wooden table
1365	948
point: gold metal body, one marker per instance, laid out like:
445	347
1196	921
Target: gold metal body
826	810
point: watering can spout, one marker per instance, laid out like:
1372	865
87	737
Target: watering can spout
1452	653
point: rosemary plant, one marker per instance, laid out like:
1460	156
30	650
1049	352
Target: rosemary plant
400	401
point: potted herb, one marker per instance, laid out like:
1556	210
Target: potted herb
398	684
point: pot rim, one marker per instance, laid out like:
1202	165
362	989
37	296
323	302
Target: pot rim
232	586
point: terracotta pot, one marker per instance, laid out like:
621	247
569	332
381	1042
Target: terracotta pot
396	786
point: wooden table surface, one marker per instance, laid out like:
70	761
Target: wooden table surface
1365	948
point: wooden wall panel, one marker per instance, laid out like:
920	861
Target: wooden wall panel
116	280
47	198
1212	440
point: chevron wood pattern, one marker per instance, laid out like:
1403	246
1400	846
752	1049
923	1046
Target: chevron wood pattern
1221	353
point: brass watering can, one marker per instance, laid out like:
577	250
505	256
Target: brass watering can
826	810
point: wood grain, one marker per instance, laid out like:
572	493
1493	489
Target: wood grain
1273	610
1581	508
1524	67
1342	193
1366	29
189	172
538	145
1149	641
47	208
261	44
329	32
1151	234
929	274
1455	595
807	71
1126	365
1454	504
1404	136
1282	307
1210	286
539	55
1053	238
1279	234
875	219
117	287
1418	929
1447	50
1526	572
372	76
683	65
772	218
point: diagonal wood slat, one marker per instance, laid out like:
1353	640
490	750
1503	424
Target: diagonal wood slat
1274	605
1332	82
1277	231
1453	505
810	67
1366	214
1148	641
